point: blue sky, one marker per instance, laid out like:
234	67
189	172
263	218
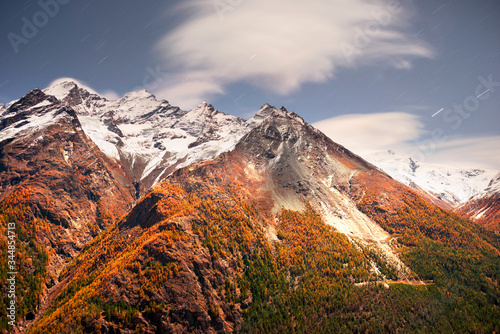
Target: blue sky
370	74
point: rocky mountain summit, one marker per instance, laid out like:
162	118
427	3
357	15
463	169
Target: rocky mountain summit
152	138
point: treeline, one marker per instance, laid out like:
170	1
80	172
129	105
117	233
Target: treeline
300	280
31	259
459	256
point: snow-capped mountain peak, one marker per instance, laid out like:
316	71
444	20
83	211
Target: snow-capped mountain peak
203	109
484	207
149	137
62	88
137	95
493	187
452	185
268	112
203	104
32	113
283	112
35	98
265	111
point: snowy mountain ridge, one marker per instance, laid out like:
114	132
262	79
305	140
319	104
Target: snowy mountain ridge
493	189
150	138
453	185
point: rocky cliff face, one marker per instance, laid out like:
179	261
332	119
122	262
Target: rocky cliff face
304	167
70	190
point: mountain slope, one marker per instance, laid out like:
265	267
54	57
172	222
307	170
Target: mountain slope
248	242
304	166
57	187
484	208
469	192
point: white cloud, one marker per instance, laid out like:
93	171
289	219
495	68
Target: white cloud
478	152
110	94
279	45
404	133
366	133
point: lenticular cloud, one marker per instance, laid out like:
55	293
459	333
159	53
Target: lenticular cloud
281	44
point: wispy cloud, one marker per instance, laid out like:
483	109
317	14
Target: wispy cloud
404	133
479	152
366	133
110	94
281	44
